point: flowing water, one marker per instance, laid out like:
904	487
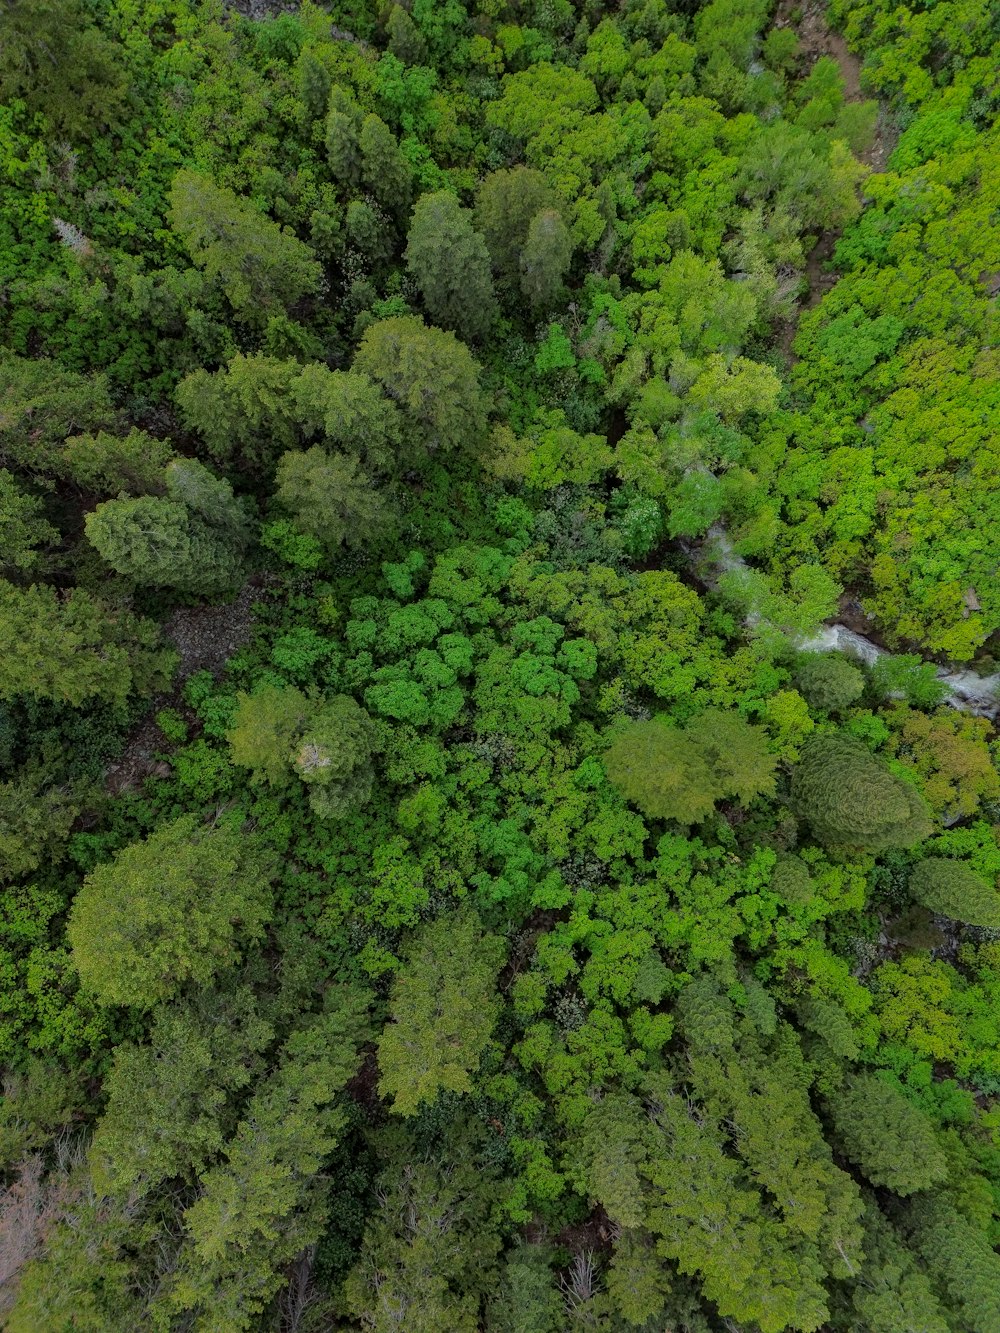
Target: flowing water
965	690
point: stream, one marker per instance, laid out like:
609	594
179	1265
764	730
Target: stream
964	689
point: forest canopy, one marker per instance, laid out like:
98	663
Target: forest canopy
499	645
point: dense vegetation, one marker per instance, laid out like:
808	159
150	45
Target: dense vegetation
439	891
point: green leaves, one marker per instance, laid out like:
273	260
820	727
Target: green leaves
177	907
680	774
442	1012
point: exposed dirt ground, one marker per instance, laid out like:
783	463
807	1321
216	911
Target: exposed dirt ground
206	637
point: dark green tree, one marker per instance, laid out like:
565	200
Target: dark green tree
70	647
42	405
850	799
267	1200
329	497
193	538
506	203
23	527
889	1138
55	59
433	379
166	1099
953	889
828	681
960	1259
545	260
450	264
333	757
428	1255
385	172
260	267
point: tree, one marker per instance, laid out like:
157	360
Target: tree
110	464
329	497
385	172
333	757
265	728
260	267
680	774
953	889
433	379
545	260
892	1293
851	800
450	264
736	753
405	39
167	910
266	1201
192	539
35	821
22	526
343	128
959	1256
507	202
60	64
442	1012
828	682
428	1255
40	404
889	1138
661	771
70	648
166	1099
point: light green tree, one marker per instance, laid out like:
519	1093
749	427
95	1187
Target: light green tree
173	908
443	1009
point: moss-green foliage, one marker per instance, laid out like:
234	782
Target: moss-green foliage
501	923
890	1139
850	799
172	908
443	1009
674	774
954	889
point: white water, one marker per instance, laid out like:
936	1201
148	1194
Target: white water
966	691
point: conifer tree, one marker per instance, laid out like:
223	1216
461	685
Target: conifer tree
851	800
451	266
891	1140
953	889
174	907
260	267
442	1012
